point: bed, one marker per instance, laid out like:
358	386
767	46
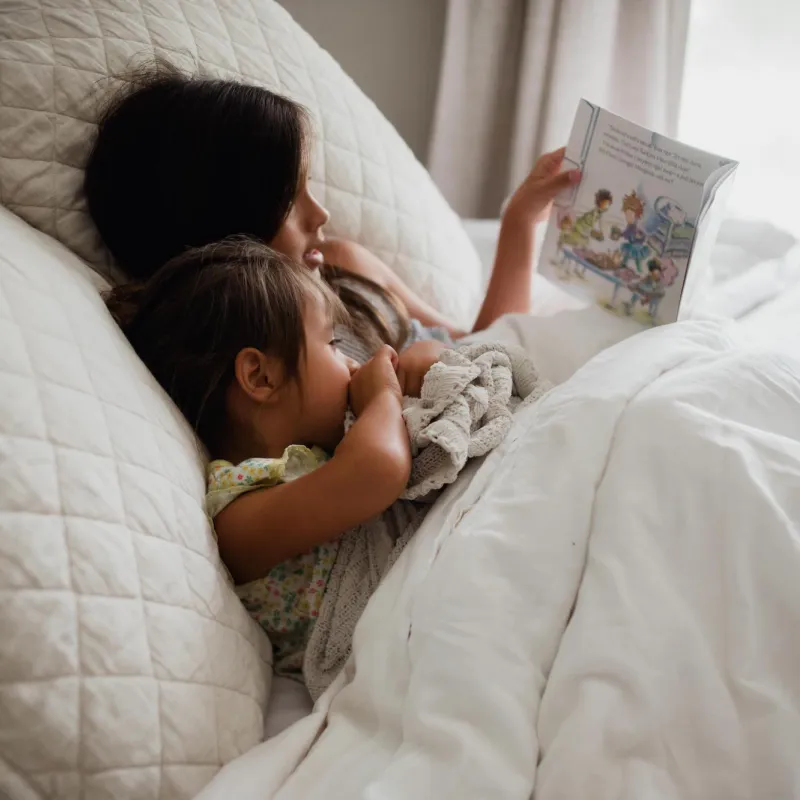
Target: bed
605	606
636	541
757	269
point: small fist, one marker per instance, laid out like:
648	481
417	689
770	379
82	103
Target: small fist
378	375
531	201
414	363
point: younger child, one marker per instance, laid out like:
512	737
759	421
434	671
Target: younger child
243	341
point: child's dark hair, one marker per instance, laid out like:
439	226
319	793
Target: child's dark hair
182	161
654	264
190	319
603	196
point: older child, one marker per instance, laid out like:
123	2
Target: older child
182	161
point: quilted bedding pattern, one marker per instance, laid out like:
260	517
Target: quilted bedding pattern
128	667
55	56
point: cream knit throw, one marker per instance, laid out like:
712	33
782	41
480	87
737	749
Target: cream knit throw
465	410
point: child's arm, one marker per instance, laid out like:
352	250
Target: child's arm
367	473
509	289
510	284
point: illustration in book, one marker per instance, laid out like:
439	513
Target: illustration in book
625	236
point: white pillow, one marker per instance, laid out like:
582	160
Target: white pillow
54	55
128	667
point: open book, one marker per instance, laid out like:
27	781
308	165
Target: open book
634	236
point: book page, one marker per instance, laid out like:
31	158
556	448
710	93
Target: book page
623	237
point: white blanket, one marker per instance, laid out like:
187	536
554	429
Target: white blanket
607	606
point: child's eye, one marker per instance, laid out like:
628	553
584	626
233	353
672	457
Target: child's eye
334	342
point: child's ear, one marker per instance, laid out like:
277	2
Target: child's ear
258	375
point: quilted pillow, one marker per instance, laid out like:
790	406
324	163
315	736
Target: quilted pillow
54	54
128	667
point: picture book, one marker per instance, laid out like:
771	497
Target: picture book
634	235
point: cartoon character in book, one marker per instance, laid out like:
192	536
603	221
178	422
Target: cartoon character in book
588	224
634	247
649	290
565	228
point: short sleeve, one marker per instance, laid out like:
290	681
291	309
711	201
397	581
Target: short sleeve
226	481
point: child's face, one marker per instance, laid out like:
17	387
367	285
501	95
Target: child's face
630	216
300	237
324	381
604	205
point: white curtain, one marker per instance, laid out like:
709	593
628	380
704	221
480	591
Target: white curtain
512	74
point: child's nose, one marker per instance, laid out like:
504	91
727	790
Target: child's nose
321	214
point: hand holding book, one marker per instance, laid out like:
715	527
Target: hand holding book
531	202
624	236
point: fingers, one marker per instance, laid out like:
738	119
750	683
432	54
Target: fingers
385	351
383	354
550	162
552	186
555	155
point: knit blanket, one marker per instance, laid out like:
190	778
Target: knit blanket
464	411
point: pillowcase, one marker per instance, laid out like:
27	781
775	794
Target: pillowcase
129	668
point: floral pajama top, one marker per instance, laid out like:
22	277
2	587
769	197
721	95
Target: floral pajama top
287	600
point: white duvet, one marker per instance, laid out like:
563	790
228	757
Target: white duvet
607	607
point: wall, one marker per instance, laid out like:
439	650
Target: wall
391	49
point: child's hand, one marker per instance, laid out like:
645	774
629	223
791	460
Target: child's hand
531	201
377	376
414	362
